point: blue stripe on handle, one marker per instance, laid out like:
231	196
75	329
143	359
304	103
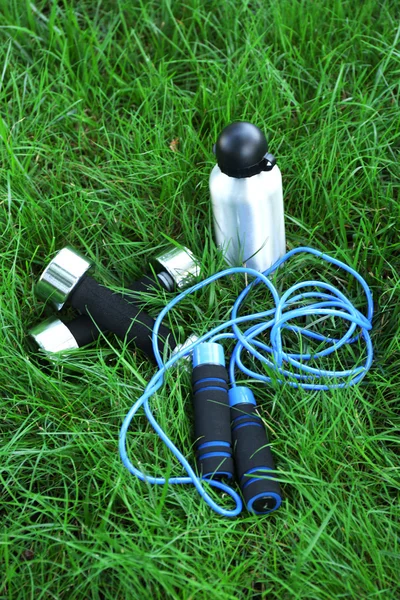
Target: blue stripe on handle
246	425
214	454
217	443
210	387
219	473
209	379
253	479
257	469
246	417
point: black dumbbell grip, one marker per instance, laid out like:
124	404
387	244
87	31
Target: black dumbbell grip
212	421
252	454
144	284
83	328
113	312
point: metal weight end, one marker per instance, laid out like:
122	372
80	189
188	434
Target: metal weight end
53	336
188	342
180	264
61	275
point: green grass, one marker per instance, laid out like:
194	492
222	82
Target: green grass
91	95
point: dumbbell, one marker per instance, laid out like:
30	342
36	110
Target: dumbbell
212	426
66	280
252	454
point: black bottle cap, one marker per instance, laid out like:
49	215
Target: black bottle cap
242	150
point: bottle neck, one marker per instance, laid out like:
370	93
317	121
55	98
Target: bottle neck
266	164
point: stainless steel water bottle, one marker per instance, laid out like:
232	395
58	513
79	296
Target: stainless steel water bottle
247	199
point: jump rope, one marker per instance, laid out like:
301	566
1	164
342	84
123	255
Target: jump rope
328	301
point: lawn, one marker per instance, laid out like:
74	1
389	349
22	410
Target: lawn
109	111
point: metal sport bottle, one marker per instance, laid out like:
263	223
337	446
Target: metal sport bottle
247	199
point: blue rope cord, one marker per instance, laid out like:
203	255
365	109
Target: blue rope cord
329	302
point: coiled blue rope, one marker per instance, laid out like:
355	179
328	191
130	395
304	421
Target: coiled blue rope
327	303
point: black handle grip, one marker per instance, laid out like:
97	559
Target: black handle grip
85	331
212	421
253	459
146	284
114	312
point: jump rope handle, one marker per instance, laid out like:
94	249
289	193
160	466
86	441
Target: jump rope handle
252	454
213	440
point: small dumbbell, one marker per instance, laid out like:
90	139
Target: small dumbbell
252	454
66	279
213	440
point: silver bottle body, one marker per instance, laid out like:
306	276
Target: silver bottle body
248	217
